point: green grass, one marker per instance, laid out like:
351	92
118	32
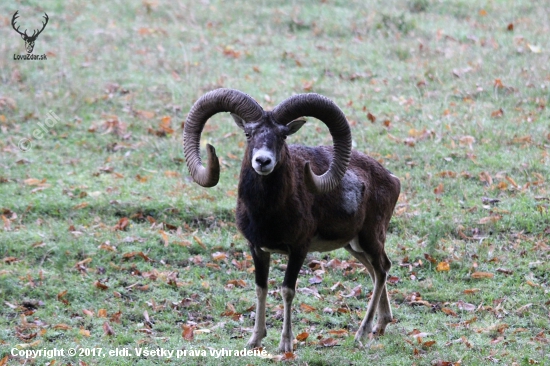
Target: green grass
461	116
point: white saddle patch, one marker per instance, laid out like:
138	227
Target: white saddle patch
352	192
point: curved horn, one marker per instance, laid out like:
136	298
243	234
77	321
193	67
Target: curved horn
322	108
216	101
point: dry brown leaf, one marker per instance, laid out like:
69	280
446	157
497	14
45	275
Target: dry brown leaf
61	295
88	312
512	182
61	327
315	280
328	342
302	336
102	313
497	114
122	224
83	262
479	275
239	283
356	291
287	356
371	117
485	177
100	285
164	236
84	332
219	256
80	206
447	174
34	181
489	219
439	189
171	174
188	332
199	241
467	141
428	344
307	308
145	114
107	329
448	311
443	266
338	332
465	306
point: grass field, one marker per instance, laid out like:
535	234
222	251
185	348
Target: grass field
106	243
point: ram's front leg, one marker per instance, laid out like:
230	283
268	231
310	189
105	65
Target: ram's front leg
295	261
261	264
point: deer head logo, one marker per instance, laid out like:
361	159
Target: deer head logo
29	40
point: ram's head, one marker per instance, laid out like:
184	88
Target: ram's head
266	132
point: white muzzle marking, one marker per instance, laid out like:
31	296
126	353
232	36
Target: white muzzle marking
263	161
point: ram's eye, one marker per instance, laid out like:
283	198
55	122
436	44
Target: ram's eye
247	135
284	137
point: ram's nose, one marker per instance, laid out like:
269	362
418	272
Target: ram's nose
263	161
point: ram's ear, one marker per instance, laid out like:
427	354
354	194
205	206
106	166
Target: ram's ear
238	121
295	125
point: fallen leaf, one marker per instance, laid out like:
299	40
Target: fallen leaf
356	291
497	114
315	280
428	344
439	189
328	342
145	114
371	117
302	336
34	181
100	285
287	356
219	256
489	219
122	224
188	332
108	330
88	313
534	49
479	275
465	306
84	332
307	308
61	327
239	283
448	311
199	241
467	140
443	266
471	291
338	332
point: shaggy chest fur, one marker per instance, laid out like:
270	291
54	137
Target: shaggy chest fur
273	213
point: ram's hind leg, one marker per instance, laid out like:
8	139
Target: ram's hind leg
261	264
379	301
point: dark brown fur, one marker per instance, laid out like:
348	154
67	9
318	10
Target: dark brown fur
276	213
